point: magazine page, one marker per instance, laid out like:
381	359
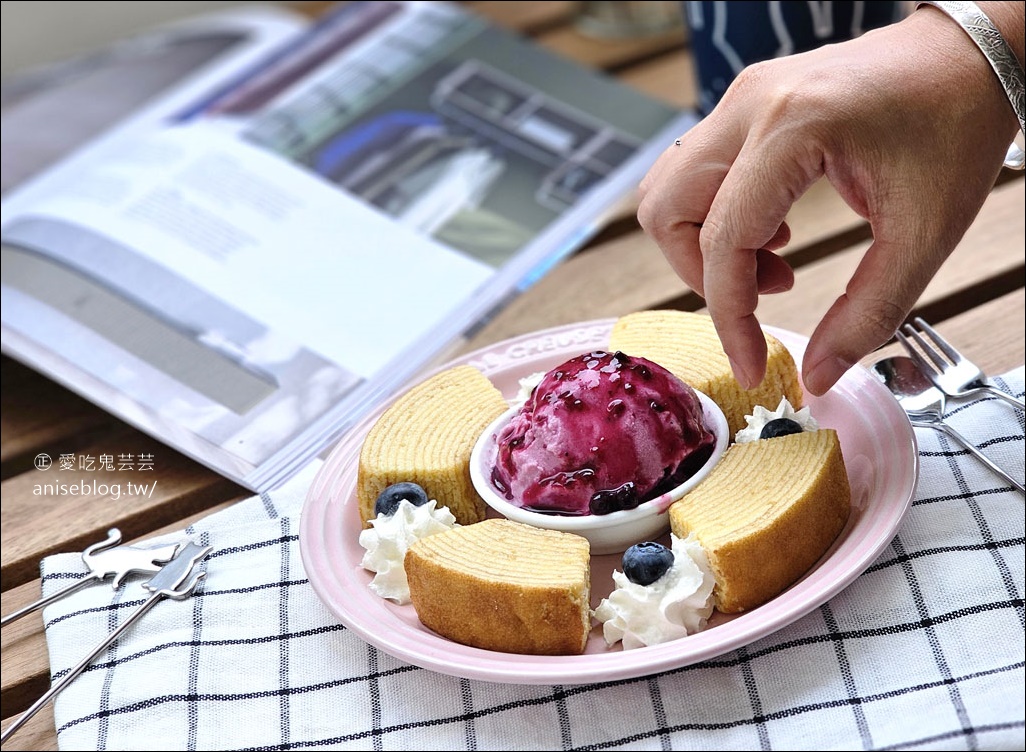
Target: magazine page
50	111
286	250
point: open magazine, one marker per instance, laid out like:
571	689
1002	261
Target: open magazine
242	233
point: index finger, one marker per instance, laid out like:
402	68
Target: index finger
747	212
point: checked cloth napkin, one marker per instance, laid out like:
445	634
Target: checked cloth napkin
925	650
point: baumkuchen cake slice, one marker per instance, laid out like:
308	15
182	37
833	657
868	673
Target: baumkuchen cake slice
766	513
502	585
426	436
687	345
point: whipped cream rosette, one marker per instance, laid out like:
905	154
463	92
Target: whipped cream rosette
677	604
760	417
390	536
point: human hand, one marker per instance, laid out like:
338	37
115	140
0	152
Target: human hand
909	125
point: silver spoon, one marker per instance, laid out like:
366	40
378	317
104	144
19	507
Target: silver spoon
924	404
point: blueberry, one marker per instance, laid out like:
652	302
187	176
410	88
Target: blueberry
614	499
779	427
388	500
644	563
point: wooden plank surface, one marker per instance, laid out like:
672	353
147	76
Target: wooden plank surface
81	503
669	77
525	16
37	734
36	413
630	273
609	54
992	335
987	260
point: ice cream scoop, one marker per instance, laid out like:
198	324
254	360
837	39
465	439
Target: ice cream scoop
602	432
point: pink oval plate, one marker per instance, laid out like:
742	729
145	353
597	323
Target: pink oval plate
880	453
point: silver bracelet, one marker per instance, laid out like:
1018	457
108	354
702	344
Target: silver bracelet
985	35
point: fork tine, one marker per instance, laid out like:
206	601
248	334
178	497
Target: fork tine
924	365
951	352
924	346
958	377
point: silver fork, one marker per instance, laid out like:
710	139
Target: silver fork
924	405
955	375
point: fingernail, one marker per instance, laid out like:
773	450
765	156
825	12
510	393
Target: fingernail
825	374
741	375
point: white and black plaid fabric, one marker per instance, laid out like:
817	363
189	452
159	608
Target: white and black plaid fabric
924	651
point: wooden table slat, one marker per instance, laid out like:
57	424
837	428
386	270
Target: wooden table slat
630	273
989	252
992	335
669	77
35	413
26	673
38	733
609	54
525	16
39	518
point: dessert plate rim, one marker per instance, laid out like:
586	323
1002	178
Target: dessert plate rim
883	463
